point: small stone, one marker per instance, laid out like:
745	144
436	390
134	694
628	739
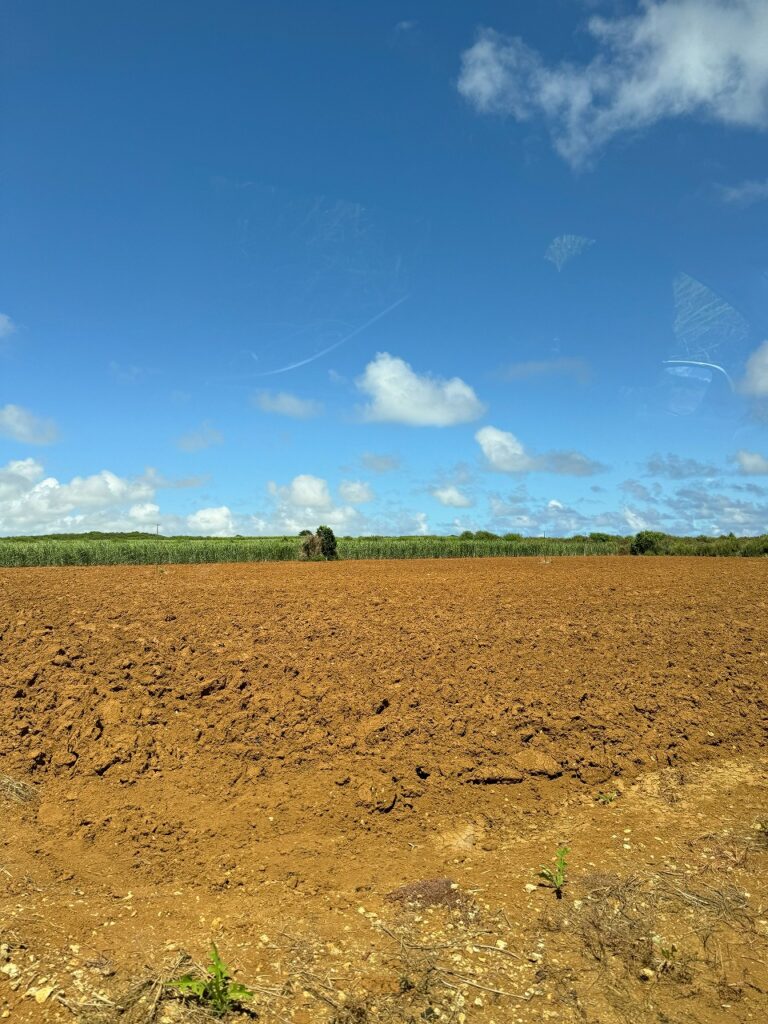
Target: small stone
530	887
646	974
12	970
41	994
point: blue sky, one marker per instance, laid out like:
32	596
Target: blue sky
397	267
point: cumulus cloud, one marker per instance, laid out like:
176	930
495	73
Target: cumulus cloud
304	490
306	502
212	522
356	492
7	326
745	193
452	497
22	425
674	58
505	453
701	510
752	463
31	502
756	376
284	404
399	395
145	512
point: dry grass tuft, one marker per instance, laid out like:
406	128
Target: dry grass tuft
614	922
19	792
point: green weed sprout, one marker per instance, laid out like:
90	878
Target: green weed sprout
216	991
556	877
607	797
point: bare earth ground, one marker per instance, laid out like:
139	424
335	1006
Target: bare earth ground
265	754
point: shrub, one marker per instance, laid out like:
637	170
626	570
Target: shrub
310	548
320	546
649	542
327	543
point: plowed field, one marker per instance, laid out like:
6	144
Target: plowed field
265	754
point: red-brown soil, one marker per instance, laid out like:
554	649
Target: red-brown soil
264	754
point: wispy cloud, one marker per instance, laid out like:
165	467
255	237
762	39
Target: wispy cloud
380	463
564	248
284	404
576	368
505	453
639	491
746	193
752	463
452	497
676	467
204	436
125	372
22	425
674	58
756	376
7	326
399	395
356	492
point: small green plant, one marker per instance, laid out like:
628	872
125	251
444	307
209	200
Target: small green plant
666	959
215	991
556	877
607	797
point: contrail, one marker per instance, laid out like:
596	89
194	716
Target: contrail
336	344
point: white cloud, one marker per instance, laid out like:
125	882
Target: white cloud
564	248
7	326
675	58
22	425
213	522
506	454
634	520
421	524
285	404
756	377
452	497
205	436
356	492
146	512
31	502
745	193
304	503
503	451
304	491
752	463
399	395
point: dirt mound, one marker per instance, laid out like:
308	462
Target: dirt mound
301	731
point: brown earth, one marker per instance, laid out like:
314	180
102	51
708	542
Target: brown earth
349	774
